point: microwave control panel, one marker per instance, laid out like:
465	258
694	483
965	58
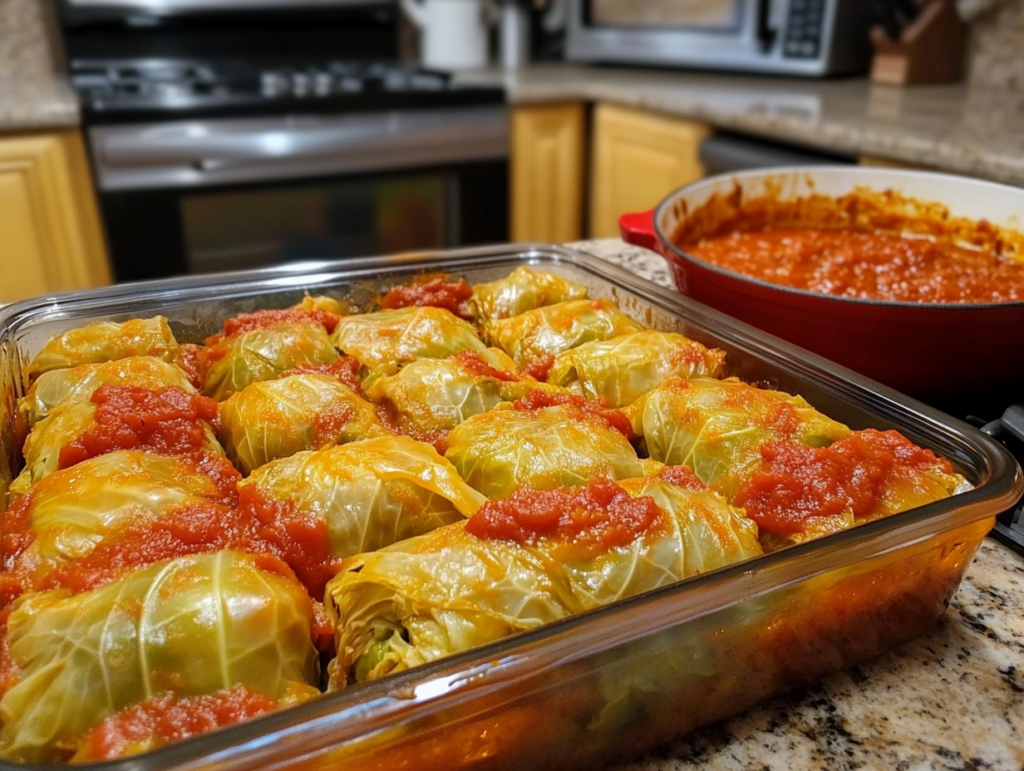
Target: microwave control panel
804	27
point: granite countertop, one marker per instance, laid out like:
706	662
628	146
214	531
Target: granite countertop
29	105
953	699
959	128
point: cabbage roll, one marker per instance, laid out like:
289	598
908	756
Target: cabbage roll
796	493
355	497
524	289
623	369
533	558
168	421
229	364
73	386
563	445
429	397
195	625
716	427
70	513
384	341
106	341
546	332
278	418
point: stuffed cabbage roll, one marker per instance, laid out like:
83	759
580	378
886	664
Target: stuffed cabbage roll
278	418
169	421
262	352
384	341
71	513
716	427
796	493
73	386
623	369
355	497
199	624
530	559
543	333
522	290
430	397
106	341
543	444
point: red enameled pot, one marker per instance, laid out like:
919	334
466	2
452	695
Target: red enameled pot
932	351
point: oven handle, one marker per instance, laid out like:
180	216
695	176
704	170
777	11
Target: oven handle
197	153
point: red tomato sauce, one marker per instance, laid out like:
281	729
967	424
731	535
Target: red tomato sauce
190	363
194	529
880	266
538	400
168	718
796	483
683	476
265	319
437	291
299	539
473	363
344	368
167	421
600	515
539	367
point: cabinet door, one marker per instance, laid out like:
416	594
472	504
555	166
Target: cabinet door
639	158
51	240
548	154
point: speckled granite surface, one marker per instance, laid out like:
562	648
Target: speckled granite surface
966	128
953	699
34	94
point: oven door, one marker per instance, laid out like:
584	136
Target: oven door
205	196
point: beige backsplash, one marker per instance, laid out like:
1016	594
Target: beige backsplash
996	42
29	51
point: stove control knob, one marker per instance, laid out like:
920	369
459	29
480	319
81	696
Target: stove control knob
300	84
323	84
273	84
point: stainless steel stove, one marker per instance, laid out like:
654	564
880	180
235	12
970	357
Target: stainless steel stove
243	134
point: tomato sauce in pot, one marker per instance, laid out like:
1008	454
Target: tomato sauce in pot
865	245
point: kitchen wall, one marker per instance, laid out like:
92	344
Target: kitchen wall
29	50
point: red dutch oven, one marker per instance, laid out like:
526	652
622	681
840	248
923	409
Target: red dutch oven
936	352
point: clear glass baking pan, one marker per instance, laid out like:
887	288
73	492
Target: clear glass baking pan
606	685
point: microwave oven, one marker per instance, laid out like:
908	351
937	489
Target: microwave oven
812	38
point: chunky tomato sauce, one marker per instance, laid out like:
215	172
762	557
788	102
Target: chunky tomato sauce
879	266
168	718
538	400
538	367
682	476
190	353
437	291
344	368
301	540
600	515
473	363
796	483
168	421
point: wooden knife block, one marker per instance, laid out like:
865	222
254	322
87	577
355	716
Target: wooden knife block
930	50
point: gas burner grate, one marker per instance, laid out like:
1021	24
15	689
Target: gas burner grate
1008	431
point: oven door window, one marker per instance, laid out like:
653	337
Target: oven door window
718	15
348	218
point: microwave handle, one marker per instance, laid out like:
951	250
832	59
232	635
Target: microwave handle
765	32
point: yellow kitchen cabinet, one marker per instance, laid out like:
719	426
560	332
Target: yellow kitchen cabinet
639	158
548	167
50	236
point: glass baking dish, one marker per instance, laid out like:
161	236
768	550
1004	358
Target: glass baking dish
606	685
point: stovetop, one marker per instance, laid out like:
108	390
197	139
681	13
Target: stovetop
127	90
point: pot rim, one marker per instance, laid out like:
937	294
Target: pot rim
673	252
